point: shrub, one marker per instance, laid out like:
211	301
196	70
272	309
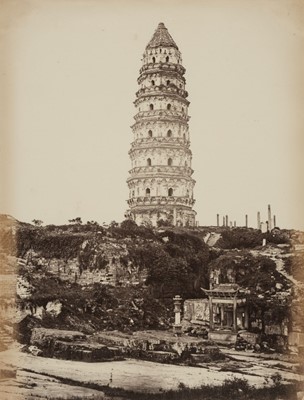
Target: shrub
235	386
240	238
161	222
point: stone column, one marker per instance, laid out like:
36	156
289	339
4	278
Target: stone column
177	328
211	314
274	221
234	315
246	221
246	319
222	314
217	219
259	220
174	216
269	218
226	220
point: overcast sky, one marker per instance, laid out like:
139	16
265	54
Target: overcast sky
68	81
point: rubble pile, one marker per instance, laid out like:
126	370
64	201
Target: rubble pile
113	346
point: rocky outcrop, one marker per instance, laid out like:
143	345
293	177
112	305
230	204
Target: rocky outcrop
42	336
105	261
82	351
73	345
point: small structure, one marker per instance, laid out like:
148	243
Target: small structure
177	327
227	311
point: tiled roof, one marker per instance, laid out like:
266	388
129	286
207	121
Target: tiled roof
161	37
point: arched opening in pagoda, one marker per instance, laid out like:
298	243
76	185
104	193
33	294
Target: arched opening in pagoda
151	107
169	133
149	162
169	106
170	161
170	192
148	192
153	59
168	82
167	59
150	133
153	83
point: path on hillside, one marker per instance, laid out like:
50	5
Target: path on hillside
276	254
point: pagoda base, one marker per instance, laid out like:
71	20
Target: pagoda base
170	214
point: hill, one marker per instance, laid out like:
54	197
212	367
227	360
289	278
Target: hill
89	278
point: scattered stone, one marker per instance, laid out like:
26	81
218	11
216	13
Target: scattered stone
300	395
34	350
42	336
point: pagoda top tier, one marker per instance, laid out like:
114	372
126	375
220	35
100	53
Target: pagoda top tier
161	37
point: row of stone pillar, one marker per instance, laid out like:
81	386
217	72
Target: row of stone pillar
271	222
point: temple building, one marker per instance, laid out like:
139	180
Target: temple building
160	182
227	311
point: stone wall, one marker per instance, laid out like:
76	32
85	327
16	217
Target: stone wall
196	311
296	339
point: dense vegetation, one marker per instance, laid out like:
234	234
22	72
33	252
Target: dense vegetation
97	307
245	238
175	260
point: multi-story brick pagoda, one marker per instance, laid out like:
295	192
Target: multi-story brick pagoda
160	182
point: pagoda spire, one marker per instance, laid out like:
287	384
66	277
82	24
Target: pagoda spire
161	37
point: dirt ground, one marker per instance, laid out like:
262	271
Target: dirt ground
39	377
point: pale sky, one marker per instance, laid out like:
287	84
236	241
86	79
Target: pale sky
68	78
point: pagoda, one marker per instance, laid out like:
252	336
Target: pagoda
160	182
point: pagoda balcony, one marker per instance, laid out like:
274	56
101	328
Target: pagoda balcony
147	142
164	119
137	149
161	169
161	113
161	200
167	66
165	74
164	89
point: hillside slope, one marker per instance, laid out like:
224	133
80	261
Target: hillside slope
86	277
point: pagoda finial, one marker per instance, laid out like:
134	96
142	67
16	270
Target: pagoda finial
161	37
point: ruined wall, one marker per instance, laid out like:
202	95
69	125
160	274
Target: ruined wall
196	311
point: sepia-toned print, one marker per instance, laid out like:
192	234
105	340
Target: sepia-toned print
151	221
